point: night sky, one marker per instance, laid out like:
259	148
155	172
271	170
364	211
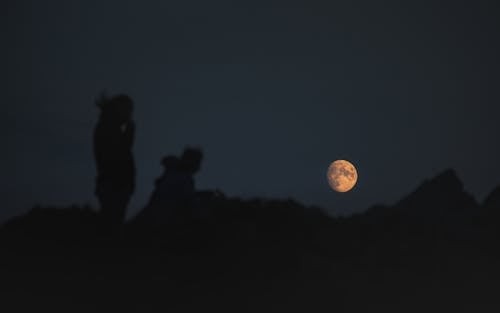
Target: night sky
272	91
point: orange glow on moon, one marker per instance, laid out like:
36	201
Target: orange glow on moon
342	175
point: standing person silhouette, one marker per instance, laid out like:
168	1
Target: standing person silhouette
113	141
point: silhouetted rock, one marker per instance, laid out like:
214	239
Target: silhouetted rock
438	209
492	201
440	195
435	198
491	214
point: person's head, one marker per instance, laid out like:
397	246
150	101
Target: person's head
170	162
191	160
117	109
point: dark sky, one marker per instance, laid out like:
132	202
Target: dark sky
273	92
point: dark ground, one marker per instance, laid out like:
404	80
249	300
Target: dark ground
434	251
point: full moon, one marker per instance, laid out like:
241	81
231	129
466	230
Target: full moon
342	175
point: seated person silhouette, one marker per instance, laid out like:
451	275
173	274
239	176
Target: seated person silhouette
113	140
174	197
164	183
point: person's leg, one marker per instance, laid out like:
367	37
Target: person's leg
120	207
113	208
106	209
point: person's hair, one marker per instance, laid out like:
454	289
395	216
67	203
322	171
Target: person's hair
191	159
115	107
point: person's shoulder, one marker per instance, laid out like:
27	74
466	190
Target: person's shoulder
184	177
